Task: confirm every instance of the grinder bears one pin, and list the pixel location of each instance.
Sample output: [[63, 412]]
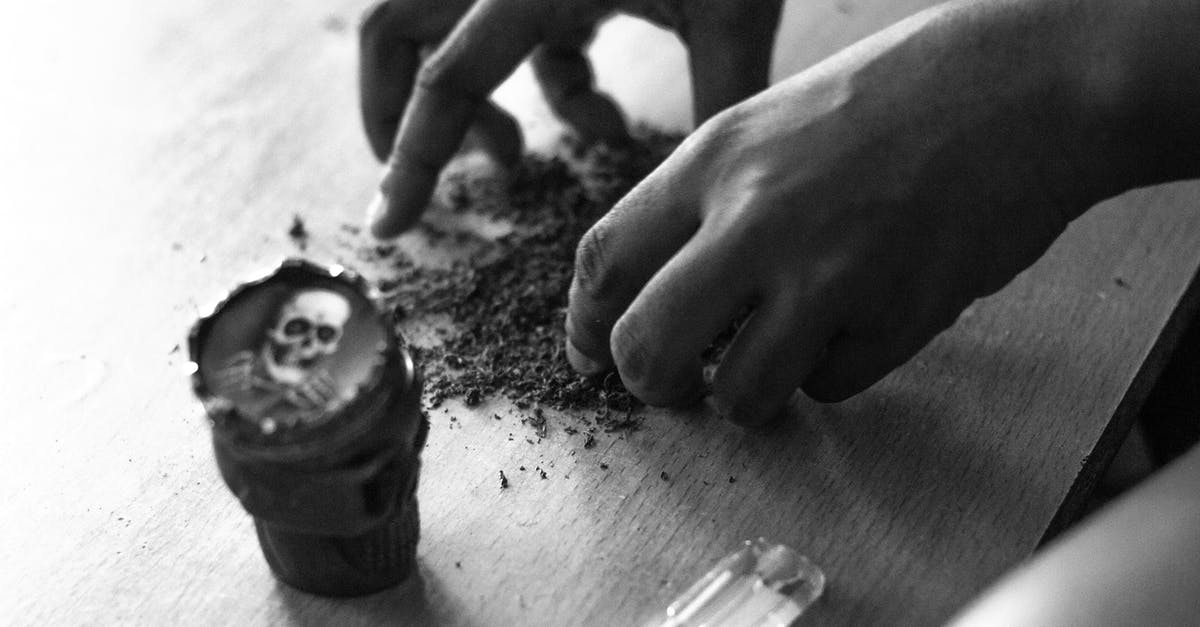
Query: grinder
[[317, 427]]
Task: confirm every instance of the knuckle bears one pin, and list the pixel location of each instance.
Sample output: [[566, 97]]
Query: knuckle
[[372, 19], [595, 275], [434, 75], [446, 71]]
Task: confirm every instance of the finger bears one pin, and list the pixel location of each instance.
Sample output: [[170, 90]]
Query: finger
[[485, 46], [615, 259], [852, 364], [770, 356], [565, 75], [729, 52], [657, 343], [388, 63], [392, 37], [497, 133]]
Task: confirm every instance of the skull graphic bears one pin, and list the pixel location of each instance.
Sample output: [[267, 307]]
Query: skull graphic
[[308, 329]]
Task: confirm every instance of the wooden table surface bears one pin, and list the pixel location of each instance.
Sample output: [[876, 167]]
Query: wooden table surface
[[153, 156]]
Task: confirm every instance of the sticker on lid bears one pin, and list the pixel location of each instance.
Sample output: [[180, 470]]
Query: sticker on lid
[[291, 350]]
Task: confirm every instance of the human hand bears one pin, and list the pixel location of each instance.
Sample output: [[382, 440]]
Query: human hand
[[856, 209], [434, 104]]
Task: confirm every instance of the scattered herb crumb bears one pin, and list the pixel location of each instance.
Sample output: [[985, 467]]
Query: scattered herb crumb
[[472, 398], [538, 422], [298, 232], [503, 480], [664, 476], [603, 466], [589, 441], [732, 479]]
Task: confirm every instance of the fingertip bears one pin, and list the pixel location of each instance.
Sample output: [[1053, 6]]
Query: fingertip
[[377, 221], [656, 375], [583, 364], [375, 208], [658, 392], [384, 220], [403, 195], [381, 133], [388, 228], [748, 412]]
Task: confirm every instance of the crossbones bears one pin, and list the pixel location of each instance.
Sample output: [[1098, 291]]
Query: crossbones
[[286, 380]]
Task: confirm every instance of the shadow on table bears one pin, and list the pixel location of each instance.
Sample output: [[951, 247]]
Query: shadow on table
[[932, 464], [413, 602]]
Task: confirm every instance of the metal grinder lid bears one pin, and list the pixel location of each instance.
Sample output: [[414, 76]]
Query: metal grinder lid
[[304, 353]]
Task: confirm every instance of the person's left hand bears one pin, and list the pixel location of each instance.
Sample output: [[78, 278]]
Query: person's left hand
[[417, 113]]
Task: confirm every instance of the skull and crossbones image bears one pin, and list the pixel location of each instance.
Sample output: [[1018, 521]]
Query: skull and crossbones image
[[307, 331], [286, 379]]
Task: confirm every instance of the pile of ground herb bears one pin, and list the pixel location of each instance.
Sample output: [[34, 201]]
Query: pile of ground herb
[[506, 305]]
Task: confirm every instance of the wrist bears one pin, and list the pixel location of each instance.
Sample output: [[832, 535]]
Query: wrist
[[1047, 82], [1138, 90]]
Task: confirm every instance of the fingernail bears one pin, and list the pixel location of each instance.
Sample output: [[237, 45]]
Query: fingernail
[[375, 208], [382, 221], [583, 364]]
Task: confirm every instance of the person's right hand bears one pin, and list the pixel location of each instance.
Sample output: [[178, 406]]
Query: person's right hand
[[417, 114], [856, 208]]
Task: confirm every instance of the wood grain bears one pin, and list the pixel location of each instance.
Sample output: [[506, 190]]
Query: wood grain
[[161, 150]]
